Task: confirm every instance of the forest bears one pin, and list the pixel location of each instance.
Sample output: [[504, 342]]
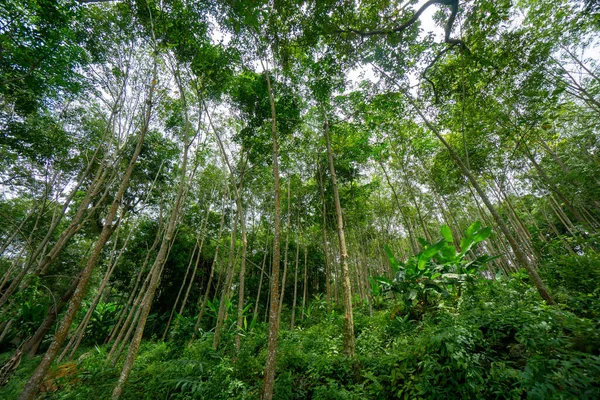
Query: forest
[[299, 199]]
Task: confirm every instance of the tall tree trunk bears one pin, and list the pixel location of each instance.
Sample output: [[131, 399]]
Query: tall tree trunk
[[187, 271], [295, 281], [567, 203], [406, 220], [269, 381], [262, 273], [305, 285], [238, 200], [325, 246], [242, 280], [198, 258], [227, 285], [346, 290], [134, 314], [80, 331], [417, 208], [285, 252], [212, 268], [132, 296], [32, 345]]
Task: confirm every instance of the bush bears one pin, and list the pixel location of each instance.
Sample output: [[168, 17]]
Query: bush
[[573, 273], [498, 340]]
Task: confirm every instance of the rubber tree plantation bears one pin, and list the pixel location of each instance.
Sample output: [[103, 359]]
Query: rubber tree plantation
[[205, 199]]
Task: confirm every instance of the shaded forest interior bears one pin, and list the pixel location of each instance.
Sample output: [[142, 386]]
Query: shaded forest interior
[[299, 199]]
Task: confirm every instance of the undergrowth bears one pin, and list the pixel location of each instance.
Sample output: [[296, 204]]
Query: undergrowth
[[498, 340]]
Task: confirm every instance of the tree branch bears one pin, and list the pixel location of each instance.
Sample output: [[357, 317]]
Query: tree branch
[[399, 29]]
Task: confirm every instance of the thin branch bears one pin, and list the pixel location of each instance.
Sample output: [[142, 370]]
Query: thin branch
[[399, 29]]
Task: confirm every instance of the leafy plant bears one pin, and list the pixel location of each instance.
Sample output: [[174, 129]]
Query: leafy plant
[[436, 269], [102, 320]]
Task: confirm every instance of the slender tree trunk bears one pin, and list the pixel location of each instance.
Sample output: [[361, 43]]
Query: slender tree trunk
[[262, 273], [227, 285], [418, 209], [295, 283], [187, 271], [407, 223], [135, 312], [346, 290], [19, 229], [32, 345], [269, 381], [305, 285], [240, 210], [325, 246], [132, 296], [555, 156], [567, 203], [285, 252], [80, 331], [129, 324], [511, 262], [212, 268], [198, 257], [242, 277]]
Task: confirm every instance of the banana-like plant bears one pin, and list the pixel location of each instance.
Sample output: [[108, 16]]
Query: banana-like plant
[[439, 267]]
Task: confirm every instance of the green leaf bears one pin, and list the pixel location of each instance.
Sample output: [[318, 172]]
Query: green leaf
[[465, 245], [473, 228], [375, 289], [447, 233], [433, 249], [429, 252], [436, 287], [448, 254], [480, 261], [383, 280], [422, 262], [482, 234]]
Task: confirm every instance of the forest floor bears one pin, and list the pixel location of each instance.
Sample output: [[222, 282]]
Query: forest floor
[[498, 340]]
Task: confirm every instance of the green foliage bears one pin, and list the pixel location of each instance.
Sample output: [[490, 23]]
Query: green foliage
[[27, 312], [436, 269], [499, 340], [41, 50], [574, 273], [101, 322], [575, 282]]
